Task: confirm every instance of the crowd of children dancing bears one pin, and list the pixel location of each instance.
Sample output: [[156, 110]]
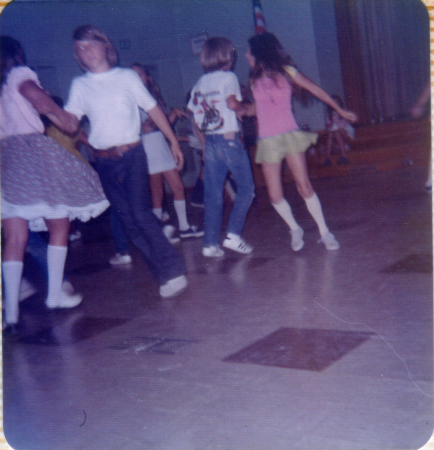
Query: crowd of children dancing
[[45, 187]]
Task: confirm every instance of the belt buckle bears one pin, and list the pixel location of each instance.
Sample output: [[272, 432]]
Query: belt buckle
[[113, 153], [118, 152]]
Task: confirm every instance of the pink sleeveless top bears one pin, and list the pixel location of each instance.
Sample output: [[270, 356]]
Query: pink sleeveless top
[[273, 106]]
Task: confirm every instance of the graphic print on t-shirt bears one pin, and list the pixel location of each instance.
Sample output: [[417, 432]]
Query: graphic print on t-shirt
[[211, 116]]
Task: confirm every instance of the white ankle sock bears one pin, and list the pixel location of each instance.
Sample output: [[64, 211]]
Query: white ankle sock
[[314, 207], [12, 272], [56, 256], [181, 212], [285, 213], [158, 212]]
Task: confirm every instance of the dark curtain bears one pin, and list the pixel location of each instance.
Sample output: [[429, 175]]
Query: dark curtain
[[385, 51]]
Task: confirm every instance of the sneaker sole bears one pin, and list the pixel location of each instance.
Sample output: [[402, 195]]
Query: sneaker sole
[[333, 248], [297, 249], [242, 252], [180, 290], [120, 263], [78, 300], [213, 256], [189, 235]]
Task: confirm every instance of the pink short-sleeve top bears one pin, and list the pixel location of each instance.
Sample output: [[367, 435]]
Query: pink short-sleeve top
[[17, 115]]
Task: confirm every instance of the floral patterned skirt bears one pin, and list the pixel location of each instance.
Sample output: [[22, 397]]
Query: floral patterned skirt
[[42, 180]]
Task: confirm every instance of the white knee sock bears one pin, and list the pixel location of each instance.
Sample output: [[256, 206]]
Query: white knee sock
[[158, 212], [12, 272], [285, 213], [181, 212], [56, 256], [314, 207]]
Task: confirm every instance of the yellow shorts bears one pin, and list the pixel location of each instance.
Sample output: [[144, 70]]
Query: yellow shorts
[[274, 149]]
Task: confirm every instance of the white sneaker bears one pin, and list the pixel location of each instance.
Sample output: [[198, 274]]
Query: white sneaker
[[169, 231], [329, 241], [26, 289], [237, 244], [174, 286], [65, 301], [297, 242], [212, 251], [120, 259]]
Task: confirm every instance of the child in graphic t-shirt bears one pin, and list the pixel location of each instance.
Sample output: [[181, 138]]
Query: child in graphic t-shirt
[[216, 102]]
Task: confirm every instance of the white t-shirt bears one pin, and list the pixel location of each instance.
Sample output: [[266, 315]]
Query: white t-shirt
[[208, 102], [17, 115], [111, 101]]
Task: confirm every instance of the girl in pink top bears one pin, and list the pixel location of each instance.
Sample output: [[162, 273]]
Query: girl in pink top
[[273, 79]]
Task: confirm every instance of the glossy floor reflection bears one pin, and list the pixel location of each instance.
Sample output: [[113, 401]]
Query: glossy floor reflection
[[276, 350]]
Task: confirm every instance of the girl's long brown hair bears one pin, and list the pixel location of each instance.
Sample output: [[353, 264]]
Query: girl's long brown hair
[[11, 55], [152, 85], [271, 60]]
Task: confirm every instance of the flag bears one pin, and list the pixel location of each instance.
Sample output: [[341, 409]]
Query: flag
[[258, 17]]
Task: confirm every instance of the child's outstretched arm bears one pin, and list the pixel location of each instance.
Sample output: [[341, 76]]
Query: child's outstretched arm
[[304, 82], [42, 102], [158, 116]]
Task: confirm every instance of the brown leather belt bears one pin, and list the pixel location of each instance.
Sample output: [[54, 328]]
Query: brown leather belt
[[115, 152]]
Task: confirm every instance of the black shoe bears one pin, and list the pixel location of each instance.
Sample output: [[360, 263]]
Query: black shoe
[[191, 232], [11, 331]]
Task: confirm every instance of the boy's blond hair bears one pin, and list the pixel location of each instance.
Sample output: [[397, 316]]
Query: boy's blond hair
[[93, 33], [216, 53]]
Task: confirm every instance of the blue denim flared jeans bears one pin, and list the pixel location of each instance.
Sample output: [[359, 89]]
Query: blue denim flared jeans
[[223, 156]]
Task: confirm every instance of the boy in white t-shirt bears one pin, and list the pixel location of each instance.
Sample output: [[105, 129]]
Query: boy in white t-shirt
[[110, 97], [215, 102]]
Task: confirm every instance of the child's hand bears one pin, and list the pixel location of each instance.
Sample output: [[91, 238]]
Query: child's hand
[[177, 155], [348, 115], [69, 122], [178, 113], [240, 115]]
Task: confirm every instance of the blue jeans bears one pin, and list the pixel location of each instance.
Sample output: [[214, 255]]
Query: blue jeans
[[120, 238], [126, 185], [223, 156]]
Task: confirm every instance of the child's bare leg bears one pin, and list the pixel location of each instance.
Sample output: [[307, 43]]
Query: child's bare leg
[[273, 180], [341, 143], [297, 165], [329, 144], [175, 184], [157, 193]]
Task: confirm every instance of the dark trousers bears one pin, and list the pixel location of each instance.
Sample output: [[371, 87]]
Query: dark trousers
[[120, 238], [126, 185]]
